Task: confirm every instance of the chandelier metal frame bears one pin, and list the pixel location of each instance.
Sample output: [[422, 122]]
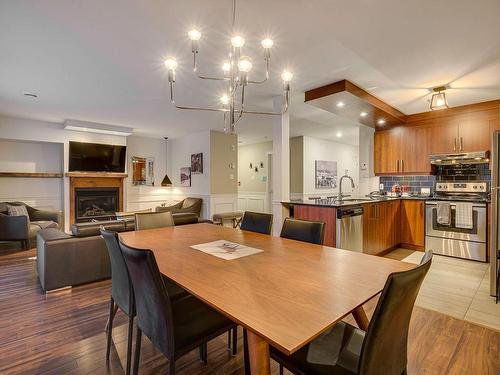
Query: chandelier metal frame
[[236, 75]]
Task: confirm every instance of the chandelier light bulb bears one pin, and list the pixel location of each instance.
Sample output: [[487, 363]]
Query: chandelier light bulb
[[194, 34], [286, 76], [267, 43], [224, 99], [226, 67], [171, 63], [237, 41], [244, 65]]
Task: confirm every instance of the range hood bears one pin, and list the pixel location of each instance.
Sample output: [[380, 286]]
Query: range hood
[[480, 157]]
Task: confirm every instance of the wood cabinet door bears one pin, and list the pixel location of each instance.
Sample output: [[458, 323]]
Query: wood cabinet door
[[387, 151], [412, 222], [415, 150], [370, 229], [474, 135], [444, 138]]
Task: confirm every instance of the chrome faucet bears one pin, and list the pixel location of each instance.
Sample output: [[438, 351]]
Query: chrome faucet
[[340, 185]]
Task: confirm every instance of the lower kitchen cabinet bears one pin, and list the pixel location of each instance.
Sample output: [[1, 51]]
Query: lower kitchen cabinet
[[381, 230], [412, 229]]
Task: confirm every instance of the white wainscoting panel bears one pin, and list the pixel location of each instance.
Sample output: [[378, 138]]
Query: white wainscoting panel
[[252, 201]]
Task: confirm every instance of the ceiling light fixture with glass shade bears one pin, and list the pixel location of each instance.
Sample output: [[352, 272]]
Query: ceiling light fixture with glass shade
[[236, 71], [438, 100]]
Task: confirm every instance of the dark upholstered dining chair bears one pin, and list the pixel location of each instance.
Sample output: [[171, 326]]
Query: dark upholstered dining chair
[[121, 291], [122, 295], [152, 220], [382, 349], [303, 230], [257, 222], [175, 327]]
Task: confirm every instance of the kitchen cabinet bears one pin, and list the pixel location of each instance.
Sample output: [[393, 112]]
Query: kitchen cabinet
[[474, 135], [387, 146], [403, 150], [412, 223], [380, 227]]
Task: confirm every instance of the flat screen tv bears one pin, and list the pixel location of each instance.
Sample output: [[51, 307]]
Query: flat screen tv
[[95, 157]]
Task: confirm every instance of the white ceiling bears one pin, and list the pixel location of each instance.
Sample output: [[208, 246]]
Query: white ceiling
[[102, 60]]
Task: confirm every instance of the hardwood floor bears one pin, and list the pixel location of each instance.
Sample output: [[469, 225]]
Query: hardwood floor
[[63, 333]]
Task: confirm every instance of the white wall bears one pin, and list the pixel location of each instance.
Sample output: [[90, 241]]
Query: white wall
[[368, 182], [253, 186], [346, 156], [24, 156], [42, 131]]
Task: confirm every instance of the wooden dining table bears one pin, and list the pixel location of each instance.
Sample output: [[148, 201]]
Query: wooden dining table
[[284, 296]]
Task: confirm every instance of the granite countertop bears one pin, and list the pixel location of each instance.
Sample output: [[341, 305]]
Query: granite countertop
[[350, 201]]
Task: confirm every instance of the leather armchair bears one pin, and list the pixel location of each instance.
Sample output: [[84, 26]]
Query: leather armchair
[[18, 228], [188, 205], [14, 228]]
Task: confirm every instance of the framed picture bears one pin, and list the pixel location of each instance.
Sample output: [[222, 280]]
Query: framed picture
[[325, 174], [197, 163], [186, 176]]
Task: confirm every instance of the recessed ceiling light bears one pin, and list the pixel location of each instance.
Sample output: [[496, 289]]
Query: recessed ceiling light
[[381, 121], [340, 104], [363, 114], [30, 94], [339, 134]]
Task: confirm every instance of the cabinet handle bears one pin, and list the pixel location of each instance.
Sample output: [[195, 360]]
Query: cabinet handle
[[397, 165], [461, 144], [454, 144], [402, 165]]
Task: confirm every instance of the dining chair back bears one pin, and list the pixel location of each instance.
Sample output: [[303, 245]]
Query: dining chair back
[[303, 230], [257, 222], [121, 291], [152, 220], [384, 348], [153, 305]]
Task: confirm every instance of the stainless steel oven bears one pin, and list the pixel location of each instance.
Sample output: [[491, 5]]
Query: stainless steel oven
[[450, 239]]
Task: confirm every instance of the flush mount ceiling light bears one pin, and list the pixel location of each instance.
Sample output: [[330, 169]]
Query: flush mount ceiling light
[[340, 104], [381, 121], [363, 114], [236, 71], [438, 100], [93, 127]]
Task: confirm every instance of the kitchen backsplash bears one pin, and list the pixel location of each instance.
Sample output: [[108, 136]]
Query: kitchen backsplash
[[468, 172], [415, 182]]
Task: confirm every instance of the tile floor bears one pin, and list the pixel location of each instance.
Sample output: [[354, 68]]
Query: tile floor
[[456, 287]]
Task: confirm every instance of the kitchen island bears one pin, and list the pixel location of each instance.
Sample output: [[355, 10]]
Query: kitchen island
[[387, 222]]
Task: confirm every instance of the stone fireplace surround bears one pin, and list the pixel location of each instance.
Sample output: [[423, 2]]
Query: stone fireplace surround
[[94, 180]]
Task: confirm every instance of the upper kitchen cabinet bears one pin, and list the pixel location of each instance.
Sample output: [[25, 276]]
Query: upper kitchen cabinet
[[403, 150], [474, 135], [444, 138], [387, 151]]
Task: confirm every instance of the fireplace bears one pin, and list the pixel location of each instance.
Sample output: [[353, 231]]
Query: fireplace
[[96, 203]]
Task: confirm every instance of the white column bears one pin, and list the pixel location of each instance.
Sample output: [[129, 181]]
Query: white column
[[281, 165]]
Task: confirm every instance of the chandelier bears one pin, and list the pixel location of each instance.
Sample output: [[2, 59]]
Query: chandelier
[[236, 71]]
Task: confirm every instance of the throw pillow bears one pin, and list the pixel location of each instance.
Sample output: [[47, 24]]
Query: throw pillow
[[18, 211]]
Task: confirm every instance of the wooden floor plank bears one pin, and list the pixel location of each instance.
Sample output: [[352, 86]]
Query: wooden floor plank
[[63, 333]]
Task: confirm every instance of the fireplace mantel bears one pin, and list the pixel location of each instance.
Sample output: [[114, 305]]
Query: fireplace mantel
[[96, 175], [93, 180]]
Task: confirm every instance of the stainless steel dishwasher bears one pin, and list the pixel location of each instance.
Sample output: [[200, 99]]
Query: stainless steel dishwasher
[[350, 228]]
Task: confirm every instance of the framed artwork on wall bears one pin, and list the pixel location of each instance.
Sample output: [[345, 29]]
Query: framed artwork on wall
[[325, 174], [197, 163], [186, 176]]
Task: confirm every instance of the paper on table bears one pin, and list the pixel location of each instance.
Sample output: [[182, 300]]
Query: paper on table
[[226, 250]]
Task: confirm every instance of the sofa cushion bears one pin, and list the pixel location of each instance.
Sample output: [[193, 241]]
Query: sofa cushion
[[44, 224], [94, 228], [17, 211], [182, 218], [51, 234]]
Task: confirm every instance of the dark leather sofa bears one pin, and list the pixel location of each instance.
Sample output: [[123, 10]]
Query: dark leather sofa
[[19, 228], [65, 260]]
